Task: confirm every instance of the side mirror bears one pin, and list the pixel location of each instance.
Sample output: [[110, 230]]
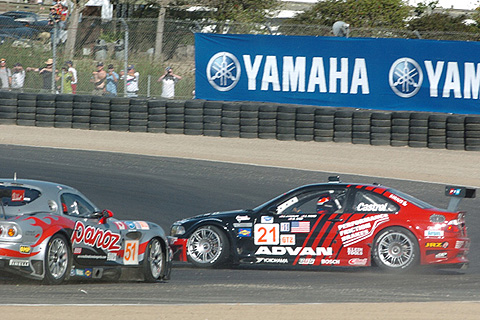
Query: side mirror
[[105, 215]]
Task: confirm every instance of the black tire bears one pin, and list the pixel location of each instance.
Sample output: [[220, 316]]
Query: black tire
[[208, 247], [154, 261], [396, 250], [58, 260]]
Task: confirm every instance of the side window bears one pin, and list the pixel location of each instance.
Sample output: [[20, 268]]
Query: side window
[[317, 202], [366, 201], [75, 205]]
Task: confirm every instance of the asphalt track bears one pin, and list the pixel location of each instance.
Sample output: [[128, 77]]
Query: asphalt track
[[164, 189]]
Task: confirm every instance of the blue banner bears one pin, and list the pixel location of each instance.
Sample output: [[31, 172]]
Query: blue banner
[[384, 74]]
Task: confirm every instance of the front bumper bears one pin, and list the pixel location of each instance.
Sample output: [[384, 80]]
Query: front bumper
[[179, 248]]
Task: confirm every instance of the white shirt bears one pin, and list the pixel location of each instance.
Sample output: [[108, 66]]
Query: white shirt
[[74, 73], [168, 87]]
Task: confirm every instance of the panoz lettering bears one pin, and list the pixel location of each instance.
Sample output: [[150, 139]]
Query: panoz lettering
[[95, 237], [295, 76]]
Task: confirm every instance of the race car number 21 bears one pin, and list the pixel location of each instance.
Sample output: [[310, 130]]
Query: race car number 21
[[131, 252], [266, 233]]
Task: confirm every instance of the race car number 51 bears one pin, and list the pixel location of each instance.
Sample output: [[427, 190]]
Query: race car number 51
[[266, 233], [131, 252]]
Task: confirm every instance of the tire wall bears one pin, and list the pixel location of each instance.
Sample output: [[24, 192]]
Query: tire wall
[[250, 120]]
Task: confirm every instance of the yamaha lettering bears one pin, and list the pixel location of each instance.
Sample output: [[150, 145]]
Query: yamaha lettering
[[419, 75]]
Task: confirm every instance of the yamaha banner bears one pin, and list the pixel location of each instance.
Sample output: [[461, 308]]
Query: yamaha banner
[[385, 74]]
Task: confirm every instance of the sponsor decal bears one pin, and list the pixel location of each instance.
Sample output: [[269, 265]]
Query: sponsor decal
[[330, 261], [267, 219], [137, 225], [19, 263], [436, 245], [25, 249], [459, 244], [77, 250], [242, 225], [372, 207], [111, 256], [287, 239], [95, 237], [300, 226], [306, 261], [267, 234], [352, 251], [286, 204], [398, 200], [441, 255], [272, 260], [358, 230], [120, 225], [285, 226], [433, 233], [88, 272], [294, 251], [92, 257], [223, 71], [405, 77], [358, 262], [245, 232], [242, 218], [18, 195]]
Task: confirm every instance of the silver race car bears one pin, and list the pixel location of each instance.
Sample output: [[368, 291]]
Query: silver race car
[[52, 232]]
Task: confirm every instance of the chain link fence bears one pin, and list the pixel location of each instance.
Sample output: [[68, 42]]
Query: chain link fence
[[98, 40]]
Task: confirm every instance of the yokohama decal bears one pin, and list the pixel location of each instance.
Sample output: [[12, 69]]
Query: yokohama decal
[[95, 237]]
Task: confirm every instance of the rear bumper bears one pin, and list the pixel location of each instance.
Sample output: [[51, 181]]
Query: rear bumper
[[451, 252]]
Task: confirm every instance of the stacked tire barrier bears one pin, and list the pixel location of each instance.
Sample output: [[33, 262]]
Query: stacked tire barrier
[[251, 120]]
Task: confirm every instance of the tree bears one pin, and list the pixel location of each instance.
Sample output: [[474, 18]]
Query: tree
[[358, 13], [73, 27]]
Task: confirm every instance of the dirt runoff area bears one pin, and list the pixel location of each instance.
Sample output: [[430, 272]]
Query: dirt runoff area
[[442, 166]]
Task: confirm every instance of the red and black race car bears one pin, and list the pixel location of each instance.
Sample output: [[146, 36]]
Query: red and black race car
[[330, 224]]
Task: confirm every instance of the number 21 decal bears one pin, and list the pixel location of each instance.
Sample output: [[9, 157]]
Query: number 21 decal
[[266, 234]]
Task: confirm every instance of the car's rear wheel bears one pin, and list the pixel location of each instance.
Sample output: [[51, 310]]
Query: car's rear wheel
[[58, 260], [154, 262], [208, 247], [395, 250]]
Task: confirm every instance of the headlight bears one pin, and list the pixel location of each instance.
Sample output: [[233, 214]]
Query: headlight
[[177, 230]]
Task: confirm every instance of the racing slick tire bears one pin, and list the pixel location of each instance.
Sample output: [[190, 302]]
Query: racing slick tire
[[154, 262], [58, 260], [396, 250], [208, 247]]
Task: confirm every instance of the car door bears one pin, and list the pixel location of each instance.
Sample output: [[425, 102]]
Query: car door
[[367, 210], [93, 243], [296, 231]]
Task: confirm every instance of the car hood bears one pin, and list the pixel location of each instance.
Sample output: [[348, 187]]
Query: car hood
[[238, 215]]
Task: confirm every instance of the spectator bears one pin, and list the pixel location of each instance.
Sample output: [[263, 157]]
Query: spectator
[[169, 80], [66, 80], [18, 78], [5, 75], [73, 71], [112, 80], [98, 80], [131, 81], [47, 73]]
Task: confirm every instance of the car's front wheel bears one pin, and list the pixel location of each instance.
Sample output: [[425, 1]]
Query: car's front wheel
[[395, 250], [208, 247], [154, 262], [58, 260]]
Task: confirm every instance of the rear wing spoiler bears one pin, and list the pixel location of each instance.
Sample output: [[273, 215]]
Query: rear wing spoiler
[[458, 193]]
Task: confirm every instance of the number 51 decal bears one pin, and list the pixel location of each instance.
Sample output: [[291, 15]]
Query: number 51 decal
[[130, 255], [266, 234]]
